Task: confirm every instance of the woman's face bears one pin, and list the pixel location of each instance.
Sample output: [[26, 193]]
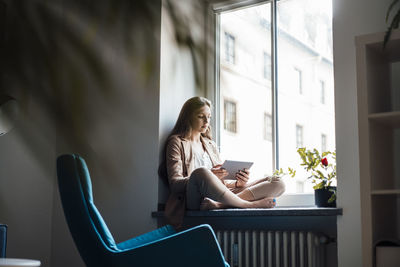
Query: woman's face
[[201, 119]]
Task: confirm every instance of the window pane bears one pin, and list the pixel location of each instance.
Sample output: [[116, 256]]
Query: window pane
[[245, 42], [304, 60]]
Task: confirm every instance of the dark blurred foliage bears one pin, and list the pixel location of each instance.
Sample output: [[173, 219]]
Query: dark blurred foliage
[[394, 24], [52, 51]]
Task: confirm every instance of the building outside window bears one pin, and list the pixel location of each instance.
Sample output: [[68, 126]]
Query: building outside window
[[299, 136], [298, 80], [229, 48], [323, 142], [230, 116], [267, 66], [322, 91], [299, 186], [267, 127], [304, 51]]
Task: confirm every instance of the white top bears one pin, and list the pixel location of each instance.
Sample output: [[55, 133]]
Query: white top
[[201, 159], [8, 262]]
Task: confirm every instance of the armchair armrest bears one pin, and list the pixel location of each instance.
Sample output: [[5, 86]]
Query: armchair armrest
[[195, 247], [147, 238]]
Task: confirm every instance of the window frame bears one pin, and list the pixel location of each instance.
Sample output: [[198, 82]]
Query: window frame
[[214, 9]]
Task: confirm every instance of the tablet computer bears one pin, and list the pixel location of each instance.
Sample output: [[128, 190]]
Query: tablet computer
[[233, 166]]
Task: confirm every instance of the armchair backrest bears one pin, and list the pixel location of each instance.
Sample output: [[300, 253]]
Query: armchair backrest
[[87, 227], [3, 240]]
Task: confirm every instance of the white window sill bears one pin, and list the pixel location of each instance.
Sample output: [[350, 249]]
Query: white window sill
[[296, 200]]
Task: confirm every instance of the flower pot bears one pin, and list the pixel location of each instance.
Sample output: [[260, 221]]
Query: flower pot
[[323, 195]]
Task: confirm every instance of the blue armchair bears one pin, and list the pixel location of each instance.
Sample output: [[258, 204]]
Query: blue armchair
[[3, 240], [162, 247]]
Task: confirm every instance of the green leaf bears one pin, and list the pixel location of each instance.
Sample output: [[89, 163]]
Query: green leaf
[[390, 9], [324, 154], [316, 153], [332, 198], [393, 25], [309, 157], [320, 174], [320, 185]]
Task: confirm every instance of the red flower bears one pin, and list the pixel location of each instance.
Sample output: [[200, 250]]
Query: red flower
[[324, 162]]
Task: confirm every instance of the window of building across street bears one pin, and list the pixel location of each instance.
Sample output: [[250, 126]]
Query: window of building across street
[[230, 116], [229, 48]]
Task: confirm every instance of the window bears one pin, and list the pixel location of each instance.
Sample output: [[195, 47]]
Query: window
[[299, 136], [322, 91], [323, 142], [267, 66], [299, 186], [282, 49], [267, 127], [229, 48], [298, 80], [230, 116]]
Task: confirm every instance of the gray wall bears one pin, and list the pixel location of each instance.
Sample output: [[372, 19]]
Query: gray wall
[[350, 18], [26, 191], [178, 75], [88, 83]]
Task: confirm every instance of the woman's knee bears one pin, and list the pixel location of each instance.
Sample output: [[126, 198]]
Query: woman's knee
[[279, 186], [201, 174]]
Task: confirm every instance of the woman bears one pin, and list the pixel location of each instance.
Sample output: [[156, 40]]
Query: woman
[[194, 172]]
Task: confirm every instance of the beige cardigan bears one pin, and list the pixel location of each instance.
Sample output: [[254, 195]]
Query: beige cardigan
[[180, 164]]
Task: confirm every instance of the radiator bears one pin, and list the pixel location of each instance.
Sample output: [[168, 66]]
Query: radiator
[[254, 248]]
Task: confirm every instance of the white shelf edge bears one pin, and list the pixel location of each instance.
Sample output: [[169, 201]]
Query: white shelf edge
[[386, 192]]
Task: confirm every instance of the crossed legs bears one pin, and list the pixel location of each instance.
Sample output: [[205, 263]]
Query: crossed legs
[[205, 191]]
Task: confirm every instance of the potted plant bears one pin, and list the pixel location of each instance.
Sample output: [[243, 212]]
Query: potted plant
[[322, 170]]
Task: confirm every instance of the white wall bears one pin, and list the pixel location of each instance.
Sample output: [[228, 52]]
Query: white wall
[[350, 18]]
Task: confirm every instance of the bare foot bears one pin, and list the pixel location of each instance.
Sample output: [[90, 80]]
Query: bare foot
[[209, 204], [267, 202]]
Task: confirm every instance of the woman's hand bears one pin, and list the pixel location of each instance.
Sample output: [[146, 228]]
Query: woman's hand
[[219, 172], [242, 177]]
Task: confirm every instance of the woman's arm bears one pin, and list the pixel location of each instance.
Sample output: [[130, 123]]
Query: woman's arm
[[176, 178], [230, 183]]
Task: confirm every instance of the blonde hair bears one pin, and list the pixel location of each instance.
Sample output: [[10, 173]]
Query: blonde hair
[[183, 125], [183, 128]]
